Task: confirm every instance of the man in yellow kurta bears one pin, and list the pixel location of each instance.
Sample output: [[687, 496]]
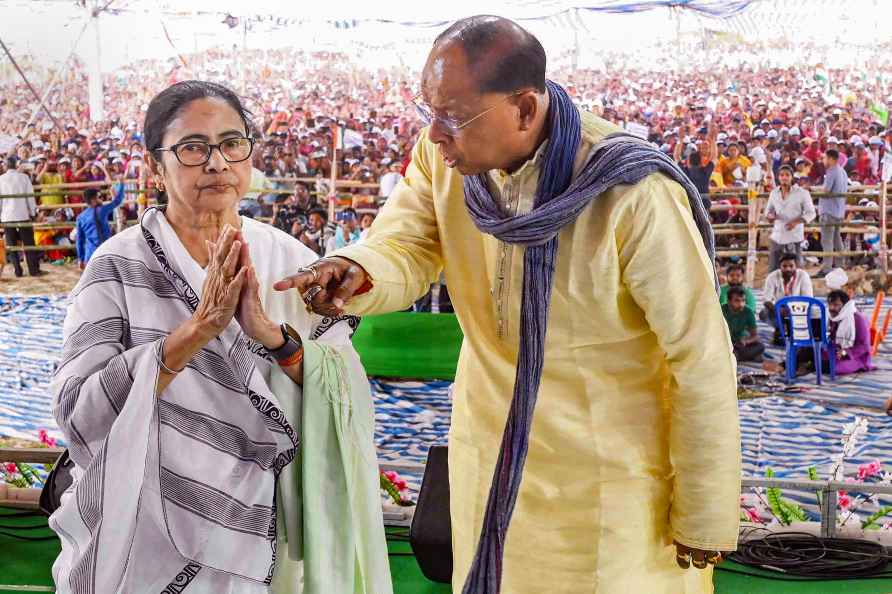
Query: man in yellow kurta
[[635, 441]]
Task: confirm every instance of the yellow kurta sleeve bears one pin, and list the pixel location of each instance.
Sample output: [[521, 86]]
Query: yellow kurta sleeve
[[669, 275], [402, 252]]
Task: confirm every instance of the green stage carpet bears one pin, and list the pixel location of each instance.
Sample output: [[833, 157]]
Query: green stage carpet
[[385, 342], [28, 563]]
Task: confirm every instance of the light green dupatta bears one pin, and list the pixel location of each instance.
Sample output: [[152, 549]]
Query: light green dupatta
[[330, 494]]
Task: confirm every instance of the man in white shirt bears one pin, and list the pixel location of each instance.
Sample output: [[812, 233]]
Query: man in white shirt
[[787, 281], [759, 156], [790, 207], [389, 180], [19, 210]]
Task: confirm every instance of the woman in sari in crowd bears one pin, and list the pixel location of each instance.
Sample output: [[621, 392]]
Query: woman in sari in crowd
[[187, 388]]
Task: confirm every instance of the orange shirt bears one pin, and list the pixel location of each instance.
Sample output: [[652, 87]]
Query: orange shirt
[[727, 166]]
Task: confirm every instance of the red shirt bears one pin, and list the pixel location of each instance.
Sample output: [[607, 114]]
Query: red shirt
[[862, 168]]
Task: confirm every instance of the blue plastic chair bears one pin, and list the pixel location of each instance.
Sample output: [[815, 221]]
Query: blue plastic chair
[[800, 334]]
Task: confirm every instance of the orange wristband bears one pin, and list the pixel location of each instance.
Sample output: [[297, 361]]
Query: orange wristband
[[294, 359]]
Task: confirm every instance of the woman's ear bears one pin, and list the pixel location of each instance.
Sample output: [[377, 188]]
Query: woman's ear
[[155, 167]]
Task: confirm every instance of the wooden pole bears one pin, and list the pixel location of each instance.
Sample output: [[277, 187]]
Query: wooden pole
[[753, 233], [95, 92], [884, 238], [336, 134]]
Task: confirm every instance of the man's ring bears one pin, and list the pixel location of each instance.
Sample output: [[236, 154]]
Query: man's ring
[[310, 269], [311, 292]]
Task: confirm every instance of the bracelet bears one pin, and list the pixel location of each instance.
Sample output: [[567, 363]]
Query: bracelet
[[294, 359], [159, 356]]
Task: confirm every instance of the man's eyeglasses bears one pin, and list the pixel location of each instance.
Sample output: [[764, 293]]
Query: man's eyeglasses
[[194, 153], [452, 126]]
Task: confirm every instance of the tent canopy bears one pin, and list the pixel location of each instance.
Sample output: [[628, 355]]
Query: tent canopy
[[131, 30]]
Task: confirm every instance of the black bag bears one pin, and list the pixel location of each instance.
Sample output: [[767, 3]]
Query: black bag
[[431, 532], [58, 481]]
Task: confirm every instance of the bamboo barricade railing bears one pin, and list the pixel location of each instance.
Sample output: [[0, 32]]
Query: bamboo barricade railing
[[79, 188], [753, 206]]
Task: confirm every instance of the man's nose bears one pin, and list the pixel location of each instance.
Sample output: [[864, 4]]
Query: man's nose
[[437, 134]]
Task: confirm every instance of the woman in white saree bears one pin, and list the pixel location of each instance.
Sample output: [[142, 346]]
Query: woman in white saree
[[222, 435]]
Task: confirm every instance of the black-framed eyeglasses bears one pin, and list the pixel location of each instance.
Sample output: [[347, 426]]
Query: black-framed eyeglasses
[[194, 153]]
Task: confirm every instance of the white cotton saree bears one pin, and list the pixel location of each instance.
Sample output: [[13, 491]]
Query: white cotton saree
[[195, 490]]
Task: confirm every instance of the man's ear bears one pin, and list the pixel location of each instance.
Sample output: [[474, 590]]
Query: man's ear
[[528, 106]]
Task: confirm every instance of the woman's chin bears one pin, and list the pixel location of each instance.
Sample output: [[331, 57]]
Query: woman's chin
[[217, 201]]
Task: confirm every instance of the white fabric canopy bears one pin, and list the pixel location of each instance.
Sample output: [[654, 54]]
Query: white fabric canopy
[[132, 29]]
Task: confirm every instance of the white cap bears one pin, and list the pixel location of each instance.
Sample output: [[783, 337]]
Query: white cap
[[772, 134], [855, 139], [758, 133], [794, 131], [832, 140], [836, 279], [875, 140], [721, 137]]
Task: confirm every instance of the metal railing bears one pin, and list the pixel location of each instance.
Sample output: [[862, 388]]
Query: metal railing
[[826, 491]]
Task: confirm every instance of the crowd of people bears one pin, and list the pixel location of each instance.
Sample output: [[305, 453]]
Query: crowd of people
[[793, 131], [294, 125]]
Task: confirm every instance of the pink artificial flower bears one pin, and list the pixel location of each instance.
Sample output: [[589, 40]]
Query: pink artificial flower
[[391, 475], [42, 435], [871, 469], [753, 515], [400, 485], [844, 500], [10, 467]]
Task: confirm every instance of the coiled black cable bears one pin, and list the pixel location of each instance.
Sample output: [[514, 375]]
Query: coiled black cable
[[809, 557]]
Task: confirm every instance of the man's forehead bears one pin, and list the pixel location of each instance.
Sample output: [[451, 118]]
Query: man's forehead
[[447, 80]]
